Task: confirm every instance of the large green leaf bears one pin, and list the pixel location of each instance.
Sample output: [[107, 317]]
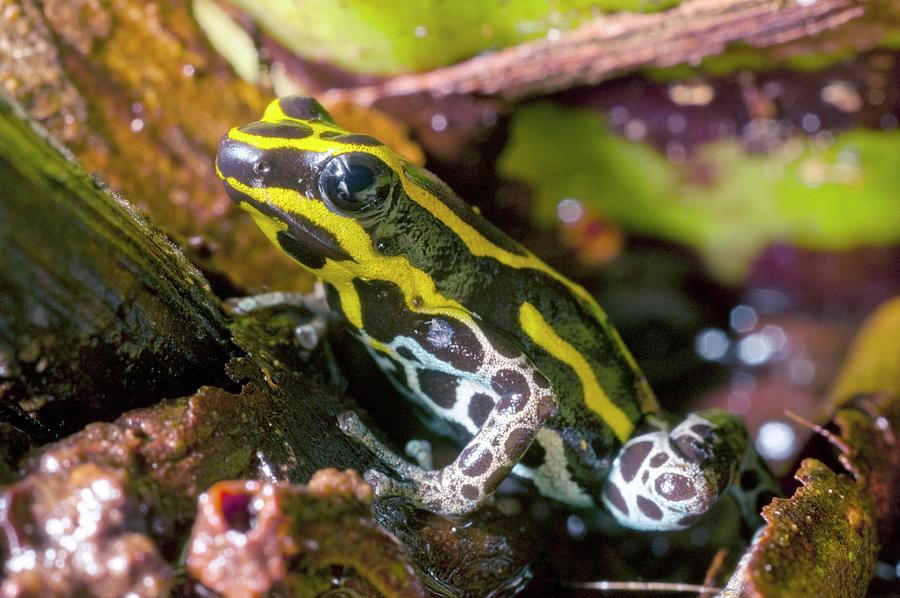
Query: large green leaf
[[403, 35], [825, 196]]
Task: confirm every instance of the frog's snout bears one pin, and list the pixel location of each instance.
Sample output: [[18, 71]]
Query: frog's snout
[[240, 162]]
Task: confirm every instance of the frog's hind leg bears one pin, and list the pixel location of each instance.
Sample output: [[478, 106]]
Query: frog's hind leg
[[665, 480], [525, 401]]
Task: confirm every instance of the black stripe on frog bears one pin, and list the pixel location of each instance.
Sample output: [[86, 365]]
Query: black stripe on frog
[[304, 108], [281, 130]]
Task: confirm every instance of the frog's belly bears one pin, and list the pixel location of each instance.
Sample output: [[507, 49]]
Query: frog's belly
[[552, 477]]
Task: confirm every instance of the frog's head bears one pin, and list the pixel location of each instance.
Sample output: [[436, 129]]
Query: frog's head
[[317, 191]]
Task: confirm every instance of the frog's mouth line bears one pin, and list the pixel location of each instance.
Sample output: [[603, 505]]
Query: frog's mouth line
[[301, 230]]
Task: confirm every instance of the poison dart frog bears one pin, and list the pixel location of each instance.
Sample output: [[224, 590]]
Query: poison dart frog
[[521, 362]]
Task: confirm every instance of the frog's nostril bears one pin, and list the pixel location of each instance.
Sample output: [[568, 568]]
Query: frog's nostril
[[239, 165]]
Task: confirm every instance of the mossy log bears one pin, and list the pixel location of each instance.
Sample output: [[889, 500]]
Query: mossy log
[[99, 312]]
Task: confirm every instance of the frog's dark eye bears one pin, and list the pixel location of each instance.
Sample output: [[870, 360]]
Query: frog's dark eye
[[356, 182]]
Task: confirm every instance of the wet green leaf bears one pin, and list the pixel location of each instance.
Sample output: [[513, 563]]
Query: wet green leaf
[[820, 542], [834, 196], [873, 365], [370, 37]]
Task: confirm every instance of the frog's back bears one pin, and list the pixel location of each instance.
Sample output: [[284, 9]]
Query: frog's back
[[552, 320]]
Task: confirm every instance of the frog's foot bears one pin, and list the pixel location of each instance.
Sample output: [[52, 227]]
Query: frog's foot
[[307, 334], [667, 480], [251, 303], [420, 485], [353, 427]]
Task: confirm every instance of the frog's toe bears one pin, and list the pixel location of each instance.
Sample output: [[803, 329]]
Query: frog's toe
[[384, 485], [654, 486], [419, 450], [352, 426]]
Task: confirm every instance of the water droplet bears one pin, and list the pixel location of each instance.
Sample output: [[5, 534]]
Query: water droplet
[[676, 123], [438, 122], [743, 318], [739, 402], [569, 210], [801, 371], [711, 344], [576, 527], [776, 440], [810, 123], [635, 129], [675, 152], [618, 115], [659, 546], [754, 349], [842, 95], [774, 336], [691, 94]]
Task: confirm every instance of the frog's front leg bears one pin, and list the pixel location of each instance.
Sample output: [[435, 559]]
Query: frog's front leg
[[665, 480], [460, 487]]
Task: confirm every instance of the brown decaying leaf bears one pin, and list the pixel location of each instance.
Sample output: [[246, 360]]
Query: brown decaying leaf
[[139, 96]]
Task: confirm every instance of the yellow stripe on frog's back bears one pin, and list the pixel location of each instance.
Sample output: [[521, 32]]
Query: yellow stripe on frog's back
[[412, 281], [419, 289], [476, 243], [546, 337]]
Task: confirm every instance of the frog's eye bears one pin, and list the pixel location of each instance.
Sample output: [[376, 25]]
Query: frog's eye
[[356, 182]]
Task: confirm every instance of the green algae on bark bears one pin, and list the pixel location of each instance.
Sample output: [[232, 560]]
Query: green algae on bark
[[282, 426], [867, 396], [820, 542]]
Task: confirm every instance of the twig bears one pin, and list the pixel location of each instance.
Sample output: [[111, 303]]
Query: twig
[[609, 45]]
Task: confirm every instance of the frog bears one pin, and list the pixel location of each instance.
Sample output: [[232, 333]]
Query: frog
[[519, 364]]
